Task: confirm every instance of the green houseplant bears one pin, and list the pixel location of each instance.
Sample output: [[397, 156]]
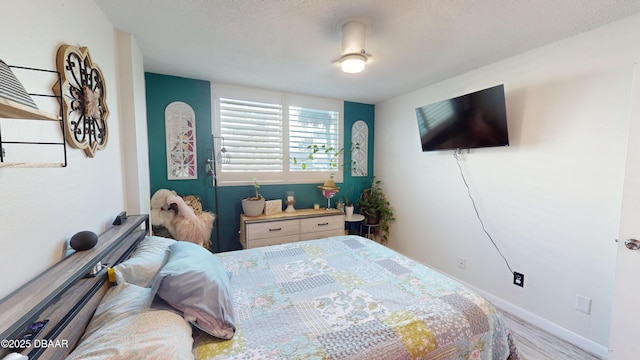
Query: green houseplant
[[376, 208], [332, 155], [348, 202], [331, 152], [254, 205]]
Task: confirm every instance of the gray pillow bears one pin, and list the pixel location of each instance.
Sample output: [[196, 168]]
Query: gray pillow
[[196, 283]]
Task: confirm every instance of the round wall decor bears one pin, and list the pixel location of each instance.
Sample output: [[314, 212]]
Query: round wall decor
[[84, 99]]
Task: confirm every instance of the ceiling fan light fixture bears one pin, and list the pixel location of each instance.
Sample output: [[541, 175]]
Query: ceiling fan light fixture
[[353, 63], [354, 57]]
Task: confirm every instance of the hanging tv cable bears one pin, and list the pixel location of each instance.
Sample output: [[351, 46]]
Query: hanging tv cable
[[456, 154]]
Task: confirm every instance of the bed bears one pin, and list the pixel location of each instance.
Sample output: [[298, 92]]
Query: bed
[[343, 297]]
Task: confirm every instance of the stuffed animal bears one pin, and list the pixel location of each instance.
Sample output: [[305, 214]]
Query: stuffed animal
[[194, 203], [161, 212], [171, 211]]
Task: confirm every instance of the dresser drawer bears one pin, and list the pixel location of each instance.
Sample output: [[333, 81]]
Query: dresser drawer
[[272, 241], [321, 224], [286, 227], [321, 234], [272, 229]]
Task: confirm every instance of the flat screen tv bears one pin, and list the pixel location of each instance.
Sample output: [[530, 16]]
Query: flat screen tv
[[474, 120]]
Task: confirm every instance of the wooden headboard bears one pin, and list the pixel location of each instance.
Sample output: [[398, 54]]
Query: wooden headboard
[[64, 296]]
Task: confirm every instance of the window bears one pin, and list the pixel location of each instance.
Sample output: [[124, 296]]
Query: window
[[309, 128], [267, 135], [253, 132]]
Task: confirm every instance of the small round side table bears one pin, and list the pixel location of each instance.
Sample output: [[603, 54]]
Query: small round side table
[[354, 219], [370, 234]]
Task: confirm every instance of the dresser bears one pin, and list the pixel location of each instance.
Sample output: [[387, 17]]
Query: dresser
[[285, 227]]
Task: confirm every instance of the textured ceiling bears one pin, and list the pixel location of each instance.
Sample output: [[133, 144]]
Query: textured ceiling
[[290, 45]]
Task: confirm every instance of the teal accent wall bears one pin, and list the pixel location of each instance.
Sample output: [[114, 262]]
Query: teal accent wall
[[163, 89], [352, 113]]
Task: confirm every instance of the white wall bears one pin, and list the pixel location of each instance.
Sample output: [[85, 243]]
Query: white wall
[[551, 200], [133, 111], [41, 208]]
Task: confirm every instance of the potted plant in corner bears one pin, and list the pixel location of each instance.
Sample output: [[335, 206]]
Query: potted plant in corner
[[373, 204], [253, 206]]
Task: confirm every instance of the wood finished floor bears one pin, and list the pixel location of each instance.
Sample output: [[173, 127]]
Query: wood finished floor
[[534, 343]]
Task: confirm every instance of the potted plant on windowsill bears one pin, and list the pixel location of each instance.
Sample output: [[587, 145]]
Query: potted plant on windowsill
[[253, 206], [376, 208]]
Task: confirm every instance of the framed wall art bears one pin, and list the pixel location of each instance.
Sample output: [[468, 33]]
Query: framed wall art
[[180, 128], [83, 99]]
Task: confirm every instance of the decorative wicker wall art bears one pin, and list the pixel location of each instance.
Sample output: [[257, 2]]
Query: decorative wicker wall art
[[359, 154], [180, 128], [84, 99]]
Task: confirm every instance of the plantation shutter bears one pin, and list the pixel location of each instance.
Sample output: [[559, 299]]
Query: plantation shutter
[[308, 127], [263, 134], [253, 135]]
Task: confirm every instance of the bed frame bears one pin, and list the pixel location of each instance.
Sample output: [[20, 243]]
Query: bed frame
[[65, 296]]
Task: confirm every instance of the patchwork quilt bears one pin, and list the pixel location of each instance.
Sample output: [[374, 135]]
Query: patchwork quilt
[[349, 297]]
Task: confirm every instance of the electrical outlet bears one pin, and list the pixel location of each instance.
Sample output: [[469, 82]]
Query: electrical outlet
[[462, 263], [583, 304], [518, 279]]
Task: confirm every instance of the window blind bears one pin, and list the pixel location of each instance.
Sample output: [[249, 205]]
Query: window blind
[[309, 127], [263, 132], [253, 133]]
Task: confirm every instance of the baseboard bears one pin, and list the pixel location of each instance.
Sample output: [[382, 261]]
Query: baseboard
[[580, 341], [546, 325]]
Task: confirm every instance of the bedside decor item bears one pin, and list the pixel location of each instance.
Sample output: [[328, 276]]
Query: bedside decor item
[[83, 91], [272, 207], [348, 202], [290, 202], [348, 210], [329, 189], [84, 240], [253, 206]]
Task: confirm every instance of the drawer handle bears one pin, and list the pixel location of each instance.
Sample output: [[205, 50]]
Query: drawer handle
[[278, 229], [323, 224]]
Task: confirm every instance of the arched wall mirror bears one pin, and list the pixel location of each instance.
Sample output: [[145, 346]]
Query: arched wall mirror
[[180, 128], [359, 153]]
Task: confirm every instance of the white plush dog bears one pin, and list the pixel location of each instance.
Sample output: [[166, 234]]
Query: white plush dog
[[169, 210]]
